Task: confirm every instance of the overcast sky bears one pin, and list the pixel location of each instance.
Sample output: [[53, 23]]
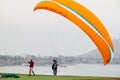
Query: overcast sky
[[44, 33]]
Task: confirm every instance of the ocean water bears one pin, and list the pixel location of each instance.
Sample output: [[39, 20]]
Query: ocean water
[[98, 70]]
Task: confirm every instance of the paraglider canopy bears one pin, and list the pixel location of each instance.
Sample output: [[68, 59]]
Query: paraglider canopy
[[89, 23]]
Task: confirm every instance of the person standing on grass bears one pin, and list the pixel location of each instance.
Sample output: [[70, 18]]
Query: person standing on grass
[[54, 67], [31, 65]]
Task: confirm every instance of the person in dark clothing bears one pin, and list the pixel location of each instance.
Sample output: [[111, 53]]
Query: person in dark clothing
[[31, 65], [54, 67]]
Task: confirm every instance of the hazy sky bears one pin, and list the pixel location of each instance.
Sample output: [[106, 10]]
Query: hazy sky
[[44, 33]]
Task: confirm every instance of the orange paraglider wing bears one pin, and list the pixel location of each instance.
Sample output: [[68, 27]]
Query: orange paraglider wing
[[88, 17], [101, 43]]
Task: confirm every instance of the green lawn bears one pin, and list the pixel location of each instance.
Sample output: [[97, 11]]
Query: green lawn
[[50, 77]]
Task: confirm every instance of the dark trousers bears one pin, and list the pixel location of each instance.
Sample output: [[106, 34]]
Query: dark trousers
[[55, 72]]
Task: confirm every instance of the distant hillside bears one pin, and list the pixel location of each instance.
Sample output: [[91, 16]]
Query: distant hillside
[[92, 57], [95, 54]]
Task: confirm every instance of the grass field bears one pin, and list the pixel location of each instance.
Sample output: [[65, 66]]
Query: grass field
[[50, 77]]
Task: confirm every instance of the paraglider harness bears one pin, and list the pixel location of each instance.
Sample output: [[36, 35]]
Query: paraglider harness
[[9, 75], [54, 66]]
